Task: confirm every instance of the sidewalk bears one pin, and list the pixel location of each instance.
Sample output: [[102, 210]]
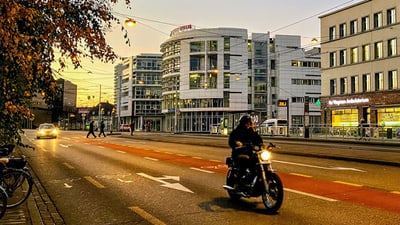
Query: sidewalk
[[40, 210]]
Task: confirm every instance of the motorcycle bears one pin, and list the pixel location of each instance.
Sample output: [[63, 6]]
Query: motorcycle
[[259, 179]]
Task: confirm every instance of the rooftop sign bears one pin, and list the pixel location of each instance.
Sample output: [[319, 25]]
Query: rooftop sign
[[181, 29]]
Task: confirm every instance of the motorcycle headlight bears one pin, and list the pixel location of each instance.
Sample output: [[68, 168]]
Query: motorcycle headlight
[[265, 155]]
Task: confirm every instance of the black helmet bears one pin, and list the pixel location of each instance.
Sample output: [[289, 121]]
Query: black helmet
[[244, 120]]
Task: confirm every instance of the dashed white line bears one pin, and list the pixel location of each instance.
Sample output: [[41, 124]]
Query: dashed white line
[[201, 170], [311, 195], [94, 182], [147, 216], [68, 165], [121, 151], [152, 159]]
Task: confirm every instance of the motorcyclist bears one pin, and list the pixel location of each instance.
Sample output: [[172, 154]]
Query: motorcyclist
[[242, 140]]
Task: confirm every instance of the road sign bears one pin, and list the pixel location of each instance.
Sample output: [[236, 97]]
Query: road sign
[[282, 103]]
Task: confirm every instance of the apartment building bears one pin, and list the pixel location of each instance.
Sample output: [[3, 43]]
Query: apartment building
[[138, 91], [360, 64]]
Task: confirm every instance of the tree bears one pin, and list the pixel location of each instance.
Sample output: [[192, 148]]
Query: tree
[[30, 32]]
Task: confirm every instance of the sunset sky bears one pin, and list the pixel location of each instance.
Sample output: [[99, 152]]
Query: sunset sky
[[157, 18]]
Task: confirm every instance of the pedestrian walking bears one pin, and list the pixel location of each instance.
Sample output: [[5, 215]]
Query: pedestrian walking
[[91, 130], [132, 127], [102, 126]]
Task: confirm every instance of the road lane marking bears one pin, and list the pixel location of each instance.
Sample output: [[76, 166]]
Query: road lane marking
[[176, 186], [319, 167], [121, 151], [215, 160], [149, 158], [196, 157], [311, 195], [94, 182], [395, 192], [348, 183], [147, 216], [69, 166], [201, 170], [301, 175]]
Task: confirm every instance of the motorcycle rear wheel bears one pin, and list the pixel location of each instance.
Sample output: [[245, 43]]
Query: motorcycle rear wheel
[[231, 181], [274, 197]]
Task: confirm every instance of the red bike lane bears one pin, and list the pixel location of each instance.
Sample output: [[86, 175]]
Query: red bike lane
[[343, 192]]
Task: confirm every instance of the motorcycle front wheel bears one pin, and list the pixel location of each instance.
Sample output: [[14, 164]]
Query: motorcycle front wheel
[[273, 198]]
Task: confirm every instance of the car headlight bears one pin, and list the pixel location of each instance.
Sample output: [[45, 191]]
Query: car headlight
[[41, 131], [54, 132], [265, 155]]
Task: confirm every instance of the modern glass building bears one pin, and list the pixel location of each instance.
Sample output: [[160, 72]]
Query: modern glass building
[[210, 77]]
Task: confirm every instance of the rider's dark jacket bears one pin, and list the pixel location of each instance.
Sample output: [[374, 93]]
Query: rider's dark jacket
[[247, 136]]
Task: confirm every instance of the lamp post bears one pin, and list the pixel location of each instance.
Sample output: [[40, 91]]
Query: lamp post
[[176, 109], [100, 105]]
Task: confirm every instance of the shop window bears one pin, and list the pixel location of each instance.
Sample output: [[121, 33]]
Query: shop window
[[392, 46], [392, 80], [378, 81], [353, 27]]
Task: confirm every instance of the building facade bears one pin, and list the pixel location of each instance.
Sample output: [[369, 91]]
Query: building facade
[[138, 92], [360, 65], [210, 77]]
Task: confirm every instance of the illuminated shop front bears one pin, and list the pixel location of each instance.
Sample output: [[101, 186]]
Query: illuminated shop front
[[377, 109]]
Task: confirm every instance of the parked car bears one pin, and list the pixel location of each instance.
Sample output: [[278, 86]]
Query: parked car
[[124, 127], [47, 130]]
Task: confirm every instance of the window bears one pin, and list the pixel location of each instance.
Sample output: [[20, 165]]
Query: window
[[342, 57], [332, 33], [366, 83], [391, 16], [392, 46], [365, 23], [197, 46], [378, 50], [377, 20], [354, 84], [392, 80], [353, 27], [227, 62], [378, 81], [354, 55], [196, 62], [365, 53], [196, 80], [227, 44], [342, 30], [212, 80], [332, 87], [227, 80], [332, 59], [343, 85], [212, 46]]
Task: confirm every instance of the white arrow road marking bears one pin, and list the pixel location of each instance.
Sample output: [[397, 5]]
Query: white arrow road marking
[[67, 185], [320, 167], [176, 186]]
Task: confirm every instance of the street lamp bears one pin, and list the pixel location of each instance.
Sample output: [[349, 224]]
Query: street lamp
[[130, 22]]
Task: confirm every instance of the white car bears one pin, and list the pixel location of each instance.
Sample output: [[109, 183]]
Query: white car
[[47, 130]]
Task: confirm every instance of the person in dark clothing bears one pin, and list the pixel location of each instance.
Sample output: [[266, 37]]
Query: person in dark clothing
[[91, 130], [132, 127], [242, 139], [102, 126]]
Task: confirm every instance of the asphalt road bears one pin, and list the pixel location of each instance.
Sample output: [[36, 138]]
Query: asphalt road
[[126, 179]]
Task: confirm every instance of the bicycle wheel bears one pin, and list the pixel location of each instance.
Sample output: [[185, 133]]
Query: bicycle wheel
[[18, 185], [3, 202]]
